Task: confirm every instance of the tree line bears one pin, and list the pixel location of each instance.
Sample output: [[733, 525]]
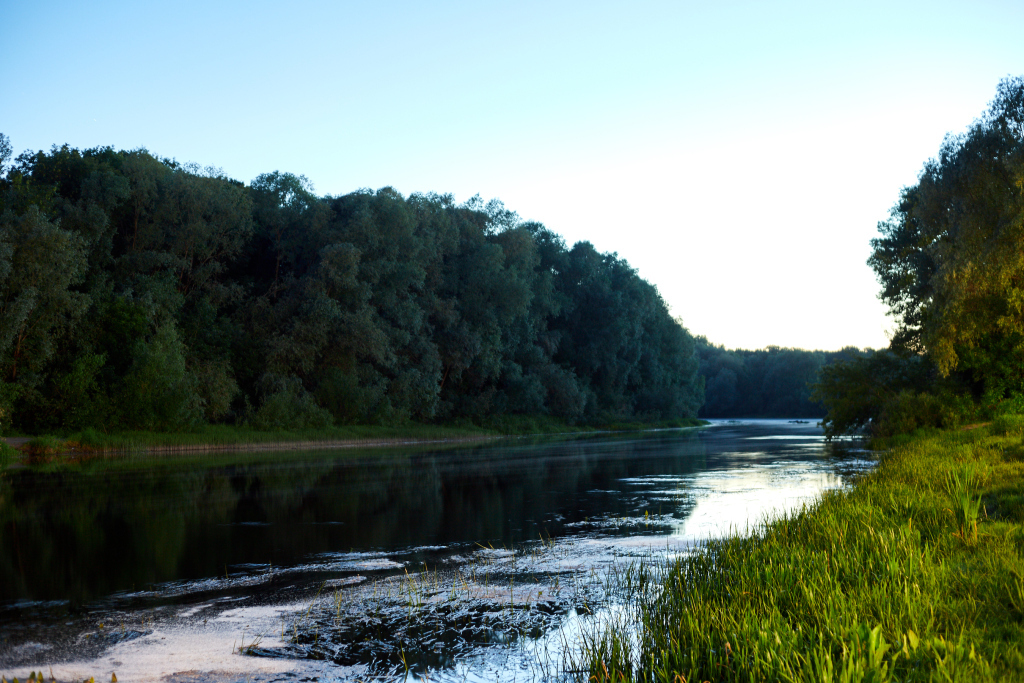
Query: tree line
[[773, 382], [950, 260], [137, 292]]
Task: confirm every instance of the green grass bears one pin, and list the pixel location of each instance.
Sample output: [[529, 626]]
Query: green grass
[[916, 574], [46, 445], [7, 455], [220, 436], [227, 435]]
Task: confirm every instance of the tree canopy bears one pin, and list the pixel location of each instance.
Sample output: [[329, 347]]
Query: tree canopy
[[950, 260], [951, 257], [772, 382], [137, 292]]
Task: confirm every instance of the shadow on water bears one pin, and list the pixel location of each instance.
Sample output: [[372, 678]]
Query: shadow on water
[[376, 563]]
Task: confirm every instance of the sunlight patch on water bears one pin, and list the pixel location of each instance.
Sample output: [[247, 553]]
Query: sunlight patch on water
[[733, 501]]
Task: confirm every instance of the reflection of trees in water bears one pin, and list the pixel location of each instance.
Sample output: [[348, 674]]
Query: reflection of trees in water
[[80, 535]]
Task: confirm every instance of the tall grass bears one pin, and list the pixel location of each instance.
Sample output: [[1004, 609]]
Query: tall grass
[[7, 454], [214, 437], [915, 574], [223, 436]]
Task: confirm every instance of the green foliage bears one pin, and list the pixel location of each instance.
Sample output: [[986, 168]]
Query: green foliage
[[7, 454], [6, 151], [952, 273], [8, 394], [138, 293], [88, 438], [291, 407], [772, 382], [884, 393], [46, 445], [159, 391], [39, 264], [77, 394], [914, 574], [216, 387], [235, 437], [950, 259], [1008, 425]]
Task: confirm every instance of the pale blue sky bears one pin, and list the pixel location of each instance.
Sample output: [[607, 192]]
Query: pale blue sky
[[739, 154]]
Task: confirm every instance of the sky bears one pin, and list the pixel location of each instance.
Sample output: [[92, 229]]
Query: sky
[[738, 154]]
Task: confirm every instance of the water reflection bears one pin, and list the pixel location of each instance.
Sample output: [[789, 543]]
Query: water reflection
[[186, 539], [124, 526]]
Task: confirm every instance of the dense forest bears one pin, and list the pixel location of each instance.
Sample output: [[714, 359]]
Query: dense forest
[[950, 260], [140, 293], [771, 382]]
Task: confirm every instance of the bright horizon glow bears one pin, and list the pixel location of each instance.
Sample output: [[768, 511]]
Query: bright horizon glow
[[739, 155]]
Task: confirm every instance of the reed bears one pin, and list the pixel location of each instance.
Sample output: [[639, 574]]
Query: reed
[[232, 437], [7, 455], [913, 574]]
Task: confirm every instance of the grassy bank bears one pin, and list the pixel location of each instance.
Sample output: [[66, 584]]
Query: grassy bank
[[916, 574], [227, 437]]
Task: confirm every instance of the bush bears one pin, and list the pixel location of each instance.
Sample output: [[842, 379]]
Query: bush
[[1008, 425], [7, 454], [46, 445], [291, 407], [857, 392], [347, 398], [90, 438], [8, 394], [216, 386], [160, 393], [1014, 405], [908, 411]]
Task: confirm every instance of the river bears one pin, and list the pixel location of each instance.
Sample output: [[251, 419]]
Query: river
[[477, 562]]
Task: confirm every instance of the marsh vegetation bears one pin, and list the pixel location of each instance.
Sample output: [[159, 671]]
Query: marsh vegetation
[[914, 574]]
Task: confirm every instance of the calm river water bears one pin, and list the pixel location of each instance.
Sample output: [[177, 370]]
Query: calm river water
[[462, 563]]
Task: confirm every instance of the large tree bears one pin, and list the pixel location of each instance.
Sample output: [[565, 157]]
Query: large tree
[[951, 257]]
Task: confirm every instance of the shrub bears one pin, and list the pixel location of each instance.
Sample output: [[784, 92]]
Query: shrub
[[8, 394], [160, 393], [910, 410], [347, 398], [1008, 425], [7, 454], [46, 445], [90, 438], [291, 407]]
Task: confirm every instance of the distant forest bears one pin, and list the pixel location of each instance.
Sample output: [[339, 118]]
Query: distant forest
[[140, 293], [771, 382]]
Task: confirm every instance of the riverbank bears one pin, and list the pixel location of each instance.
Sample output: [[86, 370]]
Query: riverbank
[[494, 540], [218, 438], [914, 574]]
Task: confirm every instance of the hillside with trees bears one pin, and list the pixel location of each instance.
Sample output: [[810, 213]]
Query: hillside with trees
[[140, 293]]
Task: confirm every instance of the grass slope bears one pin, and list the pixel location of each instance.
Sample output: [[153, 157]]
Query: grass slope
[[915, 574]]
